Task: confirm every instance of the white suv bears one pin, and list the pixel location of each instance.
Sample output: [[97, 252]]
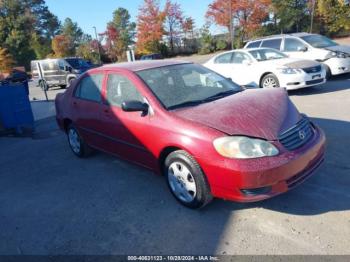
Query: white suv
[[335, 57]]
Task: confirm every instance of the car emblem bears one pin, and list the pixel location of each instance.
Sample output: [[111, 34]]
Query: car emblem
[[302, 135]]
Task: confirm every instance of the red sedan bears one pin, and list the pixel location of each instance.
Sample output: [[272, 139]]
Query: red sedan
[[208, 136]]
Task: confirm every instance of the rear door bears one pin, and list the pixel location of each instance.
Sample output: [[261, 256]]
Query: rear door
[[87, 105], [222, 64], [274, 43]]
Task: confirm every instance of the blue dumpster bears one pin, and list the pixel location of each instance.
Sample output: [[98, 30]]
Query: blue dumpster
[[15, 109]]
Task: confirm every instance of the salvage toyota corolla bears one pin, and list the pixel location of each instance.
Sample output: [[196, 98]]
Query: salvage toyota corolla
[[208, 136]]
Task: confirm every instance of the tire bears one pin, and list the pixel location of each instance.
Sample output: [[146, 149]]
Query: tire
[[70, 81], [269, 81], [186, 180], [43, 86], [328, 72], [76, 143]]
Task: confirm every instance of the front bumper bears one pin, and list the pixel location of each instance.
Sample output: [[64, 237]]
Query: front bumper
[[268, 176], [302, 80], [338, 65]]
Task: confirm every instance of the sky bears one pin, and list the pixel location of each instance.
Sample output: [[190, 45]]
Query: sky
[[89, 13]]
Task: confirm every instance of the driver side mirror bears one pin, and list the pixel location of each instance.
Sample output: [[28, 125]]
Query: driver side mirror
[[302, 48], [135, 106], [67, 68]]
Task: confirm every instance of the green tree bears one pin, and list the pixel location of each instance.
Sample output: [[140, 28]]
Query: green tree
[[124, 31], [24, 26], [73, 34], [292, 15], [334, 16], [206, 42]]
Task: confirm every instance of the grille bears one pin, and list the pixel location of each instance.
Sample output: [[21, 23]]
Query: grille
[[298, 135], [313, 82], [311, 70]]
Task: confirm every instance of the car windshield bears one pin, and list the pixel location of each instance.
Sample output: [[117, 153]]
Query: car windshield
[[186, 85], [319, 41], [77, 63], [266, 54]]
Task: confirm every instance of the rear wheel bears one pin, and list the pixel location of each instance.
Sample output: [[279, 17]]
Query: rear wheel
[[269, 81], [70, 81], [76, 143], [186, 180]]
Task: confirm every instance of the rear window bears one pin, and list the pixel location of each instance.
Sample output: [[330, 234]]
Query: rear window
[[272, 43], [253, 44]]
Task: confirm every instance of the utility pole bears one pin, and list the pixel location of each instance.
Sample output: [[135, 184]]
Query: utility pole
[[231, 25], [98, 45], [312, 15]]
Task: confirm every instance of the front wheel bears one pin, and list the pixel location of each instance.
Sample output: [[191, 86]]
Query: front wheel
[[186, 180], [269, 81]]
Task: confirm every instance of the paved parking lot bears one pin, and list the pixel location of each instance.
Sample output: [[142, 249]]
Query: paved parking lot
[[54, 203]]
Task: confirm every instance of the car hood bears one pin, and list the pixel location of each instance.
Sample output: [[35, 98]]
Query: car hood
[[292, 63], [341, 48], [255, 113]]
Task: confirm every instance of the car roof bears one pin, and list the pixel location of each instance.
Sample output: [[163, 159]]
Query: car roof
[[301, 34], [143, 65]]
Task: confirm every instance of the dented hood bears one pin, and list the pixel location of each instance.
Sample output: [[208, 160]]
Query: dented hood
[[260, 113]]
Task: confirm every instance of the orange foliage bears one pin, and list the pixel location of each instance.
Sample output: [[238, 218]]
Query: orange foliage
[[150, 27], [61, 46], [248, 13]]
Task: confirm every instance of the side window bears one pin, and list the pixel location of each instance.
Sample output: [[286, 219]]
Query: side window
[[90, 88], [61, 64], [272, 43], [292, 45], [223, 59], [120, 89], [239, 57], [253, 44]]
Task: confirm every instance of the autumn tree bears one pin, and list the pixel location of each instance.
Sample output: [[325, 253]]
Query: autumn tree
[[6, 61], [173, 22], [248, 15], [61, 46], [188, 27], [150, 28]]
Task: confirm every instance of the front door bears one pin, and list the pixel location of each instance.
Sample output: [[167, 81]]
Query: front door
[[124, 131]]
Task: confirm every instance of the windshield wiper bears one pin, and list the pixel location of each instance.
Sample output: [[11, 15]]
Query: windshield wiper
[[221, 94], [205, 100], [187, 103]]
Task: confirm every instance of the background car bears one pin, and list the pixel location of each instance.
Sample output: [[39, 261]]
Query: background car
[[267, 68], [58, 72], [152, 57], [335, 57], [205, 134]]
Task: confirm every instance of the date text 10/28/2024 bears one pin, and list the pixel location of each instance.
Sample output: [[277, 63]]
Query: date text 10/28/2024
[[173, 258]]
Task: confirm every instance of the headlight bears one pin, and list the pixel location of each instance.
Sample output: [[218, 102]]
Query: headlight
[[288, 71], [337, 54], [244, 147]]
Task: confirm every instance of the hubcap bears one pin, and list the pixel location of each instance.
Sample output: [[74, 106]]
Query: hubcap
[[269, 82], [74, 140], [182, 182]]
